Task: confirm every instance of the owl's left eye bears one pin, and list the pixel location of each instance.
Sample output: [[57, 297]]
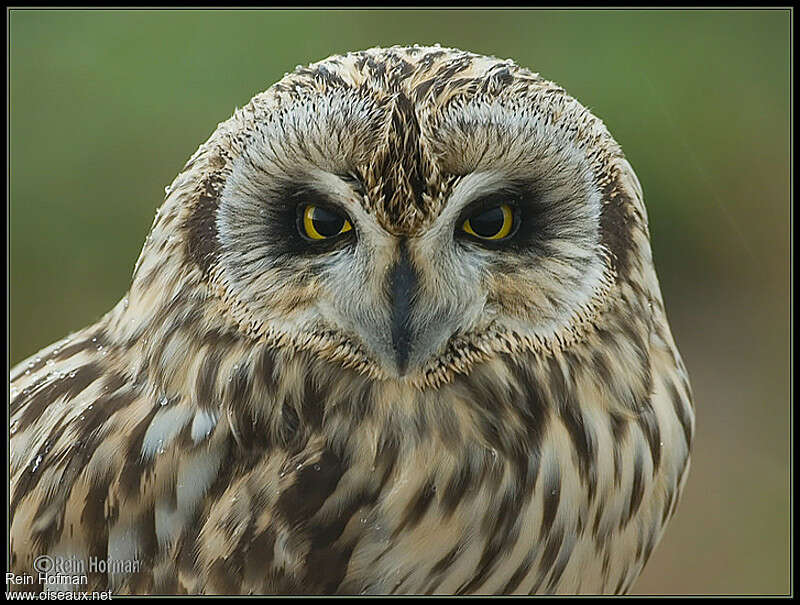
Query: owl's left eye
[[320, 223], [493, 223]]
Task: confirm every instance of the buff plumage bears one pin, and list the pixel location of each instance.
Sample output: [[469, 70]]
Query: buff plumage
[[243, 421]]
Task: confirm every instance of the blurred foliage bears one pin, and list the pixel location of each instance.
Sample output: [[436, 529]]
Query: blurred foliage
[[106, 106]]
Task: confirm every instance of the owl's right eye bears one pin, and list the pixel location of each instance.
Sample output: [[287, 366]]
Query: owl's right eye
[[318, 223]]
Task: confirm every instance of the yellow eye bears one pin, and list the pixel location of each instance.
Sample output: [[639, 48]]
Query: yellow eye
[[321, 223], [494, 223]]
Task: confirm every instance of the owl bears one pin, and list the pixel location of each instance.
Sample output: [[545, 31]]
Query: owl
[[396, 329]]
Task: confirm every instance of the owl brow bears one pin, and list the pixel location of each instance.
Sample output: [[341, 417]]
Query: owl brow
[[352, 179], [307, 194], [518, 193], [513, 193]]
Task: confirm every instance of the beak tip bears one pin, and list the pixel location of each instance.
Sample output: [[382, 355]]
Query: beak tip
[[401, 354]]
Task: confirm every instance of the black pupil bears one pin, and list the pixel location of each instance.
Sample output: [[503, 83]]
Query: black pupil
[[489, 223], [326, 223]]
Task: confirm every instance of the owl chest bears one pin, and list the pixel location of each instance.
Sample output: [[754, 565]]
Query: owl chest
[[487, 523], [535, 509]]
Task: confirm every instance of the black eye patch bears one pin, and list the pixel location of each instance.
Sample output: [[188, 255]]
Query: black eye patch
[[512, 218], [283, 222]]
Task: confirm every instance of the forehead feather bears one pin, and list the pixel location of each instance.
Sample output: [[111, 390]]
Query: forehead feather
[[408, 121]]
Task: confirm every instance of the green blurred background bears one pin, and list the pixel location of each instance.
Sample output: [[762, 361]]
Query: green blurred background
[[106, 106]]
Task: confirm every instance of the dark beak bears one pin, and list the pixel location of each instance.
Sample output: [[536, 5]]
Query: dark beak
[[403, 281]]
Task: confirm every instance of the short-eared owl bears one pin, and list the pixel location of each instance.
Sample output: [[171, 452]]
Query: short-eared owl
[[396, 329]]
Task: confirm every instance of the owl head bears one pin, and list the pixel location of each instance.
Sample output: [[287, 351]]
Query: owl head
[[405, 212]]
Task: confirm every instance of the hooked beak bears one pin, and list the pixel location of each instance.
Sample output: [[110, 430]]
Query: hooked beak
[[403, 284]]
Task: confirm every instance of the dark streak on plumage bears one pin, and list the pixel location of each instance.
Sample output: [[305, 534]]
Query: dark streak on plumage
[[422, 89], [47, 390], [75, 459], [401, 190], [551, 549], [329, 78], [551, 495], [606, 564], [98, 338], [186, 545], [600, 539], [652, 538], [560, 565], [258, 556], [521, 572], [402, 581], [240, 385], [460, 482], [221, 578], [437, 572], [134, 468], [680, 412], [206, 380], [95, 519], [616, 225], [265, 370], [585, 447], [637, 488], [648, 422], [621, 583], [147, 545], [666, 511], [417, 508], [619, 430], [200, 224], [311, 487], [501, 529]]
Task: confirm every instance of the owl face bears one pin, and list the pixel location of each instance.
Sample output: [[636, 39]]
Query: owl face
[[407, 211]]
